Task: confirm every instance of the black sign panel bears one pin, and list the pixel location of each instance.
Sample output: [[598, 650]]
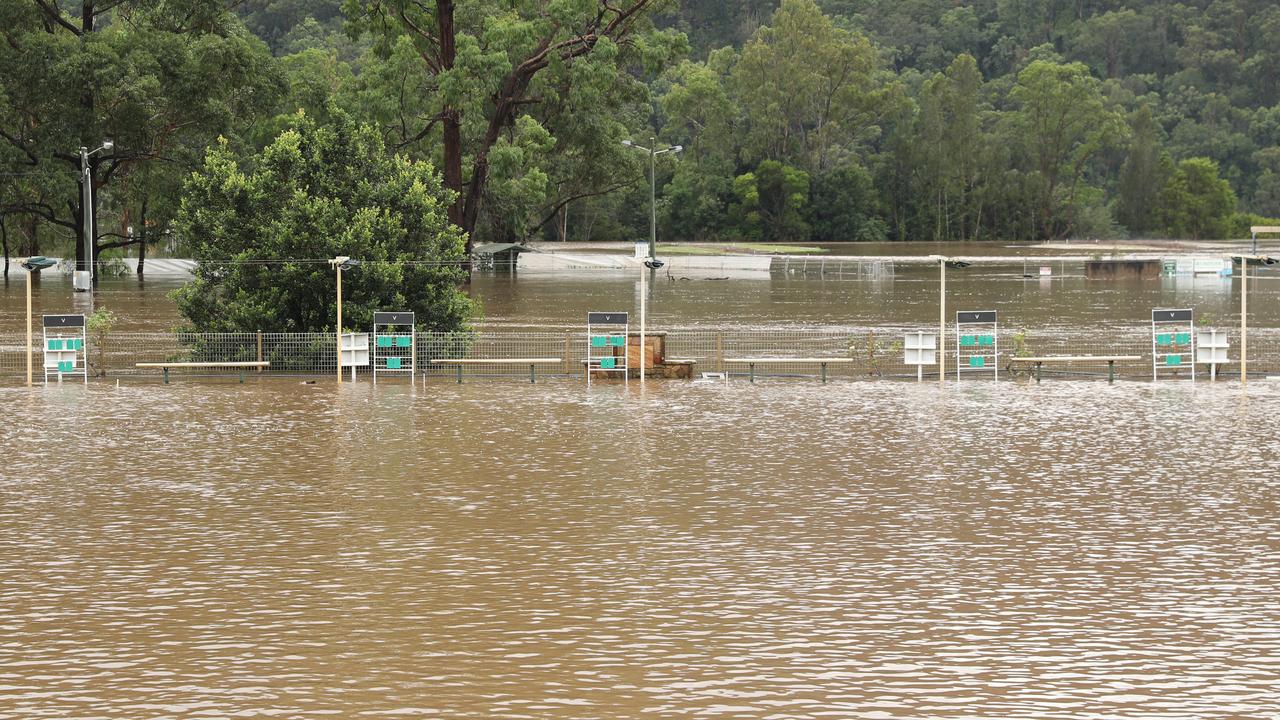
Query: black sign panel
[[1171, 315], [393, 318], [63, 321], [607, 318], [975, 316]]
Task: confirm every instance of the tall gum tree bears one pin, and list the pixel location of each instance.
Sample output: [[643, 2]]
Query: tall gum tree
[[482, 59], [158, 77]]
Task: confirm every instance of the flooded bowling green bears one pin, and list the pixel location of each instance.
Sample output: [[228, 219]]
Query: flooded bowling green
[[785, 549]]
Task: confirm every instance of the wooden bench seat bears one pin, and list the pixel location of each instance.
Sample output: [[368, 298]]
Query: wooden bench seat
[[820, 361], [239, 365], [1110, 360], [460, 363]]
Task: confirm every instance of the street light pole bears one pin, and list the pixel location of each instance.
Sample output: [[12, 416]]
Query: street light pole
[[340, 263], [337, 268], [87, 214], [943, 262], [32, 265], [652, 263], [653, 199], [942, 320], [1245, 260]]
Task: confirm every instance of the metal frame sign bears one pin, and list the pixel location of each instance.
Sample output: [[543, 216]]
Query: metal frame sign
[[603, 341], [66, 349], [920, 349], [977, 342], [394, 351], [1173, 342]]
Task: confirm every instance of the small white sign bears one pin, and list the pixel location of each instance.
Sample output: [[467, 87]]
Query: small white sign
[[920, 348], [355, 350]]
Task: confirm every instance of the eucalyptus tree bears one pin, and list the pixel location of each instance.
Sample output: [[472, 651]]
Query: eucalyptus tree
[[160, 78], [481, 65]]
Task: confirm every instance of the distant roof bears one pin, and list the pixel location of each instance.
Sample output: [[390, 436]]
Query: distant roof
[[499, 248]]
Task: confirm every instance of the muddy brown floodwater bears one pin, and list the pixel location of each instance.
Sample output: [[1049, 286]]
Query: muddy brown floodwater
[[560, 300], [502, 550]]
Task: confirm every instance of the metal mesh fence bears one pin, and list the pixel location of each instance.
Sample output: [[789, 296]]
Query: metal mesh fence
[[859, 353]]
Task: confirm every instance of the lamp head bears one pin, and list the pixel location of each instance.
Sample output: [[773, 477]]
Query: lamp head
[[951, 262], [1258, 260], [37, 262], [653, 263], [108, 144], [677, 148], [627, 143]]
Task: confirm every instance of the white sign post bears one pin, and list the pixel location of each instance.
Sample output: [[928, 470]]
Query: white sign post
[[920, 349], [355, 351]]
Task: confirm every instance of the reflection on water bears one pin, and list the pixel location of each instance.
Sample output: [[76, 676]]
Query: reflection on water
[[1070, 550]]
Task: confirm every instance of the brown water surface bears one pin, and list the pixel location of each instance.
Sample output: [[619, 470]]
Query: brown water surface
[[856, 550], [560, 300]]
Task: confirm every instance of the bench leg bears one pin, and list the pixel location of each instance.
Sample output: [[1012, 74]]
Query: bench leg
[[824, 373], [166, 375], [1038, 366], [242, 376], [531, 375], [1111, 371], [751, 372], [459, 374]]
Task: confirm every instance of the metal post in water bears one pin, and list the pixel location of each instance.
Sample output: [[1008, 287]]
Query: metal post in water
[[1244, 321], [337, 268], [29, 351], [942, 321], [642, 321]]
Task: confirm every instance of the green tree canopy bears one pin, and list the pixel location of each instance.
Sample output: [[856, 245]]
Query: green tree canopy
[[262, 226], [1197, 203], [160, 79]]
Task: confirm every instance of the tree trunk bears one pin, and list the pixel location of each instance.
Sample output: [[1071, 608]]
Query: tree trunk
[[4, 239], [451, 124], [86, 235], [142, 237]]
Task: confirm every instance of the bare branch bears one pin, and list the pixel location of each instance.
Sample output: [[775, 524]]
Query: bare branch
[[52, 12]]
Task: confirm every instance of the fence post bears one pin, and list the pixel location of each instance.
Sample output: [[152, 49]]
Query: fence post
[[568, 357], [719, 352], [259, 351]]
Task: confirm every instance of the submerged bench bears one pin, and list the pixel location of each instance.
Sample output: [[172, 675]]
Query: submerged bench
[[241, 366], [1110, 360], [531, 362], [821, 362]]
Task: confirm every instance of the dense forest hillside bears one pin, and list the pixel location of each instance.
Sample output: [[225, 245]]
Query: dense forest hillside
[[800, 120]]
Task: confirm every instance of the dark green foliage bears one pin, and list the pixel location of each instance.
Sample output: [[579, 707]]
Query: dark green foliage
[[898, 119], [260, 224]]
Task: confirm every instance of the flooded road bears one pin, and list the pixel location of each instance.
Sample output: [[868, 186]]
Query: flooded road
[[857, 550]]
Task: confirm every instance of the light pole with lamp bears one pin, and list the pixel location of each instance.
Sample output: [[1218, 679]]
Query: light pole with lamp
[[32, 265], [86, 202], [944, 263], [340, 263], [1245, 262], [653, 263]]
